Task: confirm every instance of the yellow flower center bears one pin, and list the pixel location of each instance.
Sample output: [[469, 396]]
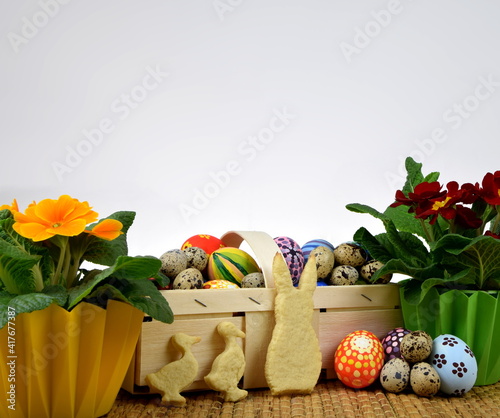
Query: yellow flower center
[[440, 204]]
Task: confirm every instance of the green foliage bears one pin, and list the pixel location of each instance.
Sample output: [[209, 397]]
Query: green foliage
[[448, 260], [27, 269], [105, 252]]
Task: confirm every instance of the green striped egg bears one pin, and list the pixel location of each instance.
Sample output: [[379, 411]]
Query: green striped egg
[[231, 264]]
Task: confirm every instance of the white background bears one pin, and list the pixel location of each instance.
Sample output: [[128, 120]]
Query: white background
[[364, 84]]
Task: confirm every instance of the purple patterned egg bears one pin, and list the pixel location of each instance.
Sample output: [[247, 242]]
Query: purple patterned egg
[[293, 255], [391, 343]]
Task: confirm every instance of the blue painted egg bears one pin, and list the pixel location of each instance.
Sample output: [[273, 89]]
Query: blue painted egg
[[293, 256], [455, 363], [311, 245]]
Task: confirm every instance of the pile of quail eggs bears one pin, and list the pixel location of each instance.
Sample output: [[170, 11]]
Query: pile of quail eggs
[[187, 269], [184, 267], [347, 264], [414, 360]]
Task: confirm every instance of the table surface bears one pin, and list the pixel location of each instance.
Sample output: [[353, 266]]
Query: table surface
[[330, 398]]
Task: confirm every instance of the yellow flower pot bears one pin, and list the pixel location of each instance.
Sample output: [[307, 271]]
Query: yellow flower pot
[[57, 363]]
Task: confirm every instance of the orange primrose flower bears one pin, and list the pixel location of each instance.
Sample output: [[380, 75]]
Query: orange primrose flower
[[65, 216], [108, 229], [13, 206]]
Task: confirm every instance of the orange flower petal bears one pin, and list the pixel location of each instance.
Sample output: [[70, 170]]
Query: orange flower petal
[[65, 216], [34, 231], [53, 211], [108, 229], [69, 229], [13, 206]]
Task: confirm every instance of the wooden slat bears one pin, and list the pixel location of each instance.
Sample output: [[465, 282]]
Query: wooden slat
[[191, 302], [209, 301], [258, 328], [334, 326], [357, 297]]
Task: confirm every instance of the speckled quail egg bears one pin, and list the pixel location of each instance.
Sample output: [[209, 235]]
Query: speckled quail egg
[[368, 269], [343, 275], [325, 261], [173, 262], [196, 257], [395, 375], [416, 346], [190, 278], [253, 280], [350, 254], [424, 379]]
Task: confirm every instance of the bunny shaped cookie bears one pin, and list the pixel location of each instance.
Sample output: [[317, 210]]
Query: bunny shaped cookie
[[293, 362]]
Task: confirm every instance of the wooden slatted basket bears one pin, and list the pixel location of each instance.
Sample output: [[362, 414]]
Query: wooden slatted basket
[[338, 310]]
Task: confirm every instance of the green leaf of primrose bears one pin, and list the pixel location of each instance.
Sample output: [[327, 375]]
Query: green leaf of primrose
[[376, 249], [406, 246], [412, 291], [25, 303], [360, 208], [58, 293], [125, 267], [105, 252], [155, 306], [133, 291], [434, 176], [481, 254], [405, 221], [5, 213], [161, 280], [414, 175], [26, 246], [419, 274], [15, 268]]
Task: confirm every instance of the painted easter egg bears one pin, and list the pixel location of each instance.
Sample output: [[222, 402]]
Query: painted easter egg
[[359, 359], [220, 284], [455, 363], [208, 243], [293, 256], [231, 264], [392, 343], [312, 244]]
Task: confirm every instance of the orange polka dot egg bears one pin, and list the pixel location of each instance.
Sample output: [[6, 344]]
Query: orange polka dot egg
[[359, 359]]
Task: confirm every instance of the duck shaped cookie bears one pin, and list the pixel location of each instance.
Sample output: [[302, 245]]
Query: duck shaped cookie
[[178, 375], [228, 366]]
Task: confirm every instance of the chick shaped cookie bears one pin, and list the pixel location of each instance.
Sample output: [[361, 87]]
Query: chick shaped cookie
[[178, 375], [229, 366]]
